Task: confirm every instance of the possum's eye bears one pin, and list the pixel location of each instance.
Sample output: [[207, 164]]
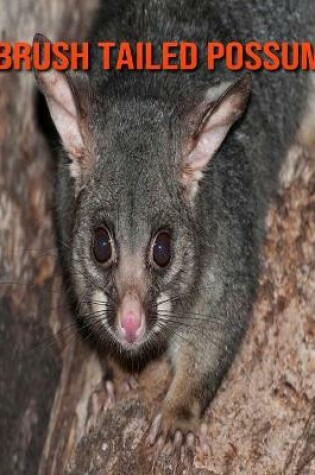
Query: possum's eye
[[102, 245], [161, 251]]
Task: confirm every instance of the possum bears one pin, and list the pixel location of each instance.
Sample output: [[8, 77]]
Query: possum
[[163, 183]]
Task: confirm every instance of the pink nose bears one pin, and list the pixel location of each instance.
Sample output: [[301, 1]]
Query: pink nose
[[130, 322], [131, 318]]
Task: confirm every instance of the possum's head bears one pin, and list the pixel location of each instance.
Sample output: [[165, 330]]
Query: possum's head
[[136, 165]]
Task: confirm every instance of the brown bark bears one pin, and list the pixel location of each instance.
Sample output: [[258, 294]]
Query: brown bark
[[262, 420], [29, 365]]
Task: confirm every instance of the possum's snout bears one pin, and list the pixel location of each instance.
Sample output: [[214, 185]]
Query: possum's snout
[[131, 318]]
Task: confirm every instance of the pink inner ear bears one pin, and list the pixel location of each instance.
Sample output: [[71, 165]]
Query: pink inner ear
[[228, 109], [208, 143], [59, 90], [62, 109]]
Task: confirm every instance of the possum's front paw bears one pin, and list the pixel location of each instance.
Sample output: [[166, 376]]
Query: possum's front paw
[[117, 383], [106, 394], [177, 426]]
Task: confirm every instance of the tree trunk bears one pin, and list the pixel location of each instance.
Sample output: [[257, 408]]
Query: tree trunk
[[31, 310], [55, 415]]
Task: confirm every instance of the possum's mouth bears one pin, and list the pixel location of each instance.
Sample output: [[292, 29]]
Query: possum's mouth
[[127, 334], [130, 324]]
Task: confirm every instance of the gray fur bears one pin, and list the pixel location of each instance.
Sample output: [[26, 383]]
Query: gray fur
[[139, 122]]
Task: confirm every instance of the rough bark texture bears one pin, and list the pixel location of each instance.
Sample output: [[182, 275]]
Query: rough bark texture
[[29, 313], [55, 416]]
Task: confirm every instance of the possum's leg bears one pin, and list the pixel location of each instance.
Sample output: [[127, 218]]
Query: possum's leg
[[116, 381], [200, 355], [197, 374], [180, 415], [115, 384]]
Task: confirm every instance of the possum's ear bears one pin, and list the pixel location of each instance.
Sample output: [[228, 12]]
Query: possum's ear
[[66, 94], [215, 116]]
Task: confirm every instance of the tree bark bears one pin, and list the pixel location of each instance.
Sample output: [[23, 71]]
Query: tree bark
[[55, 414], [30, 303]]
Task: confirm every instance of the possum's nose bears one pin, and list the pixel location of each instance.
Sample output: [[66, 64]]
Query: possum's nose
[[131, 318]]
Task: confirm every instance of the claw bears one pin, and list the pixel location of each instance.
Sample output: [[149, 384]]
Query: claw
[[182, 445], [154, 429], [190, 441], [130, 384], [110, 393], [203, 439], [160, 444], [178, 439], [168, 449], [97, 405]]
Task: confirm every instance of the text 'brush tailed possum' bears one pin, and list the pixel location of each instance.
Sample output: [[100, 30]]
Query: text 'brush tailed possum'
[[162, 187]]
